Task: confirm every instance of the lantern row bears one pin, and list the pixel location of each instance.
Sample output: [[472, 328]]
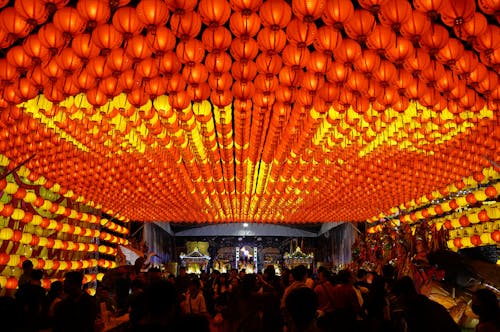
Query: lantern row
[[9, 234], [48, 264], [11, 282], [458, 219], [478, 235], [313, 107], [81, 53], [400, 123], [473, 181], [16, 191], [12, 188]]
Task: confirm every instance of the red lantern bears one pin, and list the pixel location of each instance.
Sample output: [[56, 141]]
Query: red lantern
[[214, 12], [381, 38], [489, 40], [417, 25], [34, 11], [466, 63], [181, 5], [161, 41], [473, 28], [337, 12], [217, 39], [14, 24], [243, 25], [275, 14], [246, 5], [295, 57], [436, 40], [394, 13], [106, 37], [476, 240], [300, 34], [327, 39], [84, 48], [457, 12], [118, 61], [69, 22], [94, 11], [360, 25], [271, 41], [400, 51], [495, 236], [348, 52], [186, 25], [191, 51], [138, 48], [269, 64], [152, 13], [127, 22], [308, 11], [69, 61]]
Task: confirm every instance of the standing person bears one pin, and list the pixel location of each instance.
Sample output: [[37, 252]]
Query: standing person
[[33, 302], [299, 274], [77, 312], [301, 305], [195, 301], [26, 276], [485, 305], [324, 292], [54, 296], [182, 281], [418, 313], [345, 302]]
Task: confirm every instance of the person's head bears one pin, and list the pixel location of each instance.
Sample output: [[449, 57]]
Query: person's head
[[223, 278], [194, 285], [485, 304], [301, 305], [27, 266], [299, 273], [388, 271], [269, 273], [361, 275], [36, 277], [182, 271], [404, 287], [171, 279], [344, 277], [73, 283], [56, 288], [323, 274], [242, 273]]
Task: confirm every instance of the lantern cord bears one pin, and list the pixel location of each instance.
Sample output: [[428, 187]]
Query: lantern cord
[[115, 215], [3, 176], [493, 163], [355, 228], [137, 231]]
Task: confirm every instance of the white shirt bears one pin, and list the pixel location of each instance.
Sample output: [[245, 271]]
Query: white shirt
[[195, 305]]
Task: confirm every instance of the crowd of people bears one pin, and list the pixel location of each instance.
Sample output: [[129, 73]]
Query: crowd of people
[[296, 301]]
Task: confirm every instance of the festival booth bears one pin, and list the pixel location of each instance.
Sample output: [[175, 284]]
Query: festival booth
[[197, 258], [246, 259], [224, 260], [273, 257], [298, 258], [436, 240]]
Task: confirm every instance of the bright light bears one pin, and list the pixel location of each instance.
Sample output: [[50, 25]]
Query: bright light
[[245, 224]]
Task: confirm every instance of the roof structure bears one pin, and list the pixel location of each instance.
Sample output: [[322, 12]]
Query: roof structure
[[274, 111]]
